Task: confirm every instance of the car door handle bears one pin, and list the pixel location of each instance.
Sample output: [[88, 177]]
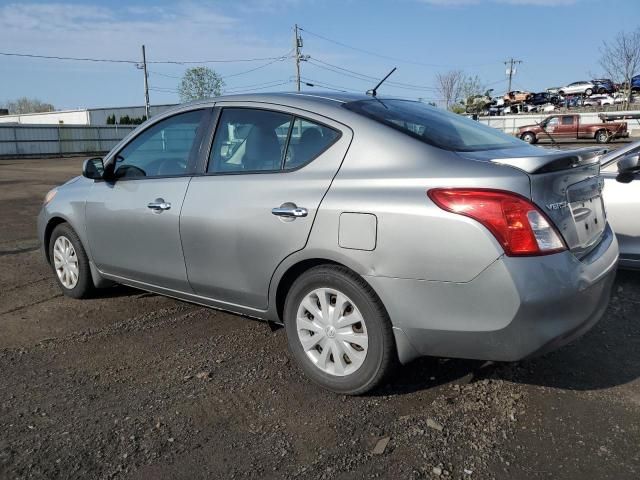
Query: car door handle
[[290, 211], [159, 205]]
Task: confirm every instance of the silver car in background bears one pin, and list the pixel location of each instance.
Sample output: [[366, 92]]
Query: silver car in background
[[376, 230]]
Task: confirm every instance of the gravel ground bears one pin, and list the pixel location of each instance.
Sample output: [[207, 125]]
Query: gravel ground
[[134, 385]]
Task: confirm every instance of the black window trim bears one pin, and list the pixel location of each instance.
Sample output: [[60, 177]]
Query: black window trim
[[294, 116], [194, 154]]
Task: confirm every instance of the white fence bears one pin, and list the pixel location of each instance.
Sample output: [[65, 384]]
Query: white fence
[[511, 123], [36, 140]]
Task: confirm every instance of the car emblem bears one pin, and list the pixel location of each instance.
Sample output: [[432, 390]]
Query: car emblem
[[556, 206]]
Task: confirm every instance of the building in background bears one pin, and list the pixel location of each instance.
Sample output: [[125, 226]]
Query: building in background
[[85, 116]]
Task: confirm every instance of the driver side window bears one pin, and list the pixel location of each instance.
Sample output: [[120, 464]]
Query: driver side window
[[162, 150]]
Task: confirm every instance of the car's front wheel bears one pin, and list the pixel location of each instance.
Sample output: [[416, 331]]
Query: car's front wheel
[[70, 263], [338, 330]]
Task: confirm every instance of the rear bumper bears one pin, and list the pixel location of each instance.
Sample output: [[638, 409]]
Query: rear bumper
[[516, 308]]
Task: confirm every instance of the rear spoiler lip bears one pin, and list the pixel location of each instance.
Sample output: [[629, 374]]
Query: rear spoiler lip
[[554, 161]]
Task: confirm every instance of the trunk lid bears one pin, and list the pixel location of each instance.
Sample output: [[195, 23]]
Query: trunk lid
[[565, 185]]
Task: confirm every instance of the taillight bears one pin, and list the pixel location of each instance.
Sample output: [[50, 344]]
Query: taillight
[[518, 225]]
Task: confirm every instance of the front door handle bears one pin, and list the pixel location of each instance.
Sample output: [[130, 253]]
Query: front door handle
[[159, 205], [289, 210]]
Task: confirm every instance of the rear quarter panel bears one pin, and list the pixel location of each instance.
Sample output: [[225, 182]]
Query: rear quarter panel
[[387, 174]]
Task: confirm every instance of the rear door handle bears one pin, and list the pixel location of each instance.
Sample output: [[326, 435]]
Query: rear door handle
[[159, 205], [290, 211]]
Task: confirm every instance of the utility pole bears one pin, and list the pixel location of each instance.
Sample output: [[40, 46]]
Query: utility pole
[[146, 83], [297, 43], [510, 71]]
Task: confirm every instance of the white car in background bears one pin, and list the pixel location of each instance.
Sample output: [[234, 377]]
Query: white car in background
[[578, 88], [622, 201], [598, 100]]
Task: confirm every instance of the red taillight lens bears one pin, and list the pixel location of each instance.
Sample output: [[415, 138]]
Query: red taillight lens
[[520, 227]]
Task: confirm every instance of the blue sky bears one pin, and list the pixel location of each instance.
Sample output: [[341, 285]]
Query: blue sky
[[557, 40]]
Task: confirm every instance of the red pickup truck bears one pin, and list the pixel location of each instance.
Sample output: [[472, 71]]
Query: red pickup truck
[[568, 127]]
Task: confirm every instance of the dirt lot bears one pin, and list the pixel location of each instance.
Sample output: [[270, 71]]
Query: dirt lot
[[133, 385]]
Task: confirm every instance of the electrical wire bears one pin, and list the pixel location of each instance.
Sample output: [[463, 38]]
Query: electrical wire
[[232, 91], [261, 84], [365, 77], [386, 57], [137, 62]]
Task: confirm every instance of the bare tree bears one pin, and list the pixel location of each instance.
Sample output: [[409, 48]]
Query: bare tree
[[621, 58], [449, 86], [471, 87], [28, 105]]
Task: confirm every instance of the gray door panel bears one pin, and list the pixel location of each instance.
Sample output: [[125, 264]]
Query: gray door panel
[[131, 240], [231, 239]]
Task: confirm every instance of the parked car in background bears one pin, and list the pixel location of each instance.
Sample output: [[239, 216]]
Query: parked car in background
[[622, 201], [516, 96], [635, 83], [604, 85], [578, 88], [598, 101], [370, 230], [542, 98], [569, 127]]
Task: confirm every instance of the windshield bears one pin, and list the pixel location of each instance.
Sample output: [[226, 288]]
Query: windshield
[[434, 126]]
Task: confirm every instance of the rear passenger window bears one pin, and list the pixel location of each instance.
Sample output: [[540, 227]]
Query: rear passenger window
[[252, 140], [308, 140], [249, 140], [567, 120]]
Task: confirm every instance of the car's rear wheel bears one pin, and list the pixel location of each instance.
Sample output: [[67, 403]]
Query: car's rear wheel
[[602, 136], [528, 137], [338, 330], [588, 92], [70, 263]]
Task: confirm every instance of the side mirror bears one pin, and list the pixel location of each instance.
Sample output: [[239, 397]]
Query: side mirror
[[93, 168], [628, 168]]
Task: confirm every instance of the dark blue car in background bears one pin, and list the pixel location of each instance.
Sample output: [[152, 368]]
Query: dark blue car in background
[[604, 85]]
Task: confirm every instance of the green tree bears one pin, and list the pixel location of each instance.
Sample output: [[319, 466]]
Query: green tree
[[199, 83]]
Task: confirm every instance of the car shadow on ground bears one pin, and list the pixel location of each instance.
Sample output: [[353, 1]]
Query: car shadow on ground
[[118, 291], [606, 356]]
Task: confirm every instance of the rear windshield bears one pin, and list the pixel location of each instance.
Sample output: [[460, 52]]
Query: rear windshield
[[434, 126]]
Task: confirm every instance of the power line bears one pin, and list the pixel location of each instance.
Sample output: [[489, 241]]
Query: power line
[[364, 77], [258, 88], [261, 84], [164, 74], [230, 75], [386, 57], [135, 62], [284, 57]]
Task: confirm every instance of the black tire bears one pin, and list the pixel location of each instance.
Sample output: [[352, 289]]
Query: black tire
[[84, 287], [561, 92], [381, 356], [529, 137], [602, 136], [588, 92]]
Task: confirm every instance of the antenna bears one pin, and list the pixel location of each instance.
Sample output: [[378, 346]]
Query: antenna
[[373, 92]]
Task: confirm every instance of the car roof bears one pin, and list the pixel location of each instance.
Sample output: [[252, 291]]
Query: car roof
[[288, 98], [324, 103]]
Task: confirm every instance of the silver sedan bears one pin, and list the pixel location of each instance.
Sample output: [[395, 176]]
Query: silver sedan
[[375, 230]]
